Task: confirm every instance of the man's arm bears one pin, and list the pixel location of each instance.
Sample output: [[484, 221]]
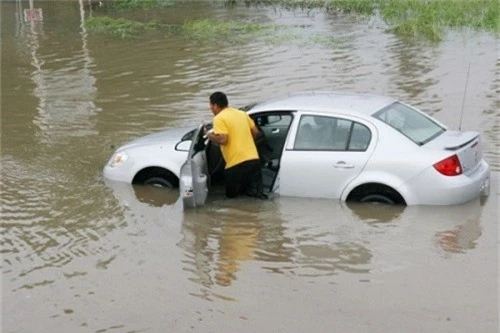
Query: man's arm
[[219, 138], [255, 131]]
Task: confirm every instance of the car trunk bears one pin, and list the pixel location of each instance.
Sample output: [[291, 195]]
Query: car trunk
[[466, 145]]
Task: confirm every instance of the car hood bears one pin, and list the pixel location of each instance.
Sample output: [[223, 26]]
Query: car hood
[[172, 135]]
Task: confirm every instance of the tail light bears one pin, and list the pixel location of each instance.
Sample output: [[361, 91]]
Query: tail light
[[449, 166]]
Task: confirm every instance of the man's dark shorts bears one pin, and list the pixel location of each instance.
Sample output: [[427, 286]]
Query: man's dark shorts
[[244, 178]]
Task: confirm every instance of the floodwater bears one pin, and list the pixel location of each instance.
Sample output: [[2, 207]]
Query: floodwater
[[81, 256]]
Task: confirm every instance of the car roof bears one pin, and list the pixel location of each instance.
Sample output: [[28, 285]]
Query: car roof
[[326, 101]]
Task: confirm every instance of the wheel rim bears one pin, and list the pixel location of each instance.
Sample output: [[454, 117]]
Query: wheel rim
[[158, 182], [378, 198]]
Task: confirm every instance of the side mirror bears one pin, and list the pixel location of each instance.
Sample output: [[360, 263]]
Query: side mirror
[[183, 145]]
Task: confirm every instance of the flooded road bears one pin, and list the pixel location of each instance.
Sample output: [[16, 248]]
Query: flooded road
[[79, 255]]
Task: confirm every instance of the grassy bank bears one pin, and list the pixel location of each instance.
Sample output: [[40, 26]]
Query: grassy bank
[[205, 29], [410, 18], [431, 18], [427, 19], [137, 4], [226, 30], [120, 27]]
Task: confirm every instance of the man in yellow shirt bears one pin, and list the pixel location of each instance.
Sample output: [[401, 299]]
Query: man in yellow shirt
[[235, 132]]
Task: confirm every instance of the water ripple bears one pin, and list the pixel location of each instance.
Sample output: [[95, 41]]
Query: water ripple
[[41, 231]]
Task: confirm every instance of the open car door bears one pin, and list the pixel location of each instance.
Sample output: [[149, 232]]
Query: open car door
[[193, 182]]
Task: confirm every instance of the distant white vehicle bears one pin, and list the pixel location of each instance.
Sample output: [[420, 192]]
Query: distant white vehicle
[[343, 146]]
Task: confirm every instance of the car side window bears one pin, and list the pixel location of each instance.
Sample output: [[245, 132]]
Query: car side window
[[360, 137], [316, 133], [323, 133], [279, 120]]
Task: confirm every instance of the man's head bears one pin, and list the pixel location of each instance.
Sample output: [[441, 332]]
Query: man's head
[[218, 101]]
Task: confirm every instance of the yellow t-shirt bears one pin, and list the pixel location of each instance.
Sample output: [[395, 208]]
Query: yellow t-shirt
[[240, 146]]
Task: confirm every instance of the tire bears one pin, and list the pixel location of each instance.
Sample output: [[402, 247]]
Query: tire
[[157, 177], [158, 182], [379, 198]]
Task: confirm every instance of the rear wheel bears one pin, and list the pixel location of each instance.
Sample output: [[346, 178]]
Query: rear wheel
[[378, 193], [157, 177], [381, 198]]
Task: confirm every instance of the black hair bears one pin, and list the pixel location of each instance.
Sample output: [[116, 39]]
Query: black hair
[[219, 98]]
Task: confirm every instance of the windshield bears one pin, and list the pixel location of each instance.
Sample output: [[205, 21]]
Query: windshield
[[410, 122]]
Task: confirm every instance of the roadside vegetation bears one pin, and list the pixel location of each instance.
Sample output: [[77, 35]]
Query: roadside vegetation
[[207, 29], [428, 19], [409, 18], [120, 27], [204, 30], [137, 4]]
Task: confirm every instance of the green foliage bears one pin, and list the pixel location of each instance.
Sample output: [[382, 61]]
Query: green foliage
[[364, 7], [212, 30], [120, 27], [292, 4], [429, 18], [325, 41], [413, 28], [407, 18], [426, 18], [138, 4]]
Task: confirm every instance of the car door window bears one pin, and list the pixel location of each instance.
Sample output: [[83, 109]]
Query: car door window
[[360, 137], [317, 133], [275, 127], [323, 133]]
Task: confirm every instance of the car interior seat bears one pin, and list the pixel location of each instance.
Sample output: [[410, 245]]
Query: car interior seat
[[305, 137]]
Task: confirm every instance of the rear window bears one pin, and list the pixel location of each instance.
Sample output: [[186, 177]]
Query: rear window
[[410, 122]]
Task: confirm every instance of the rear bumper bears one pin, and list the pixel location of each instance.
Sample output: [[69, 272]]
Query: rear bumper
[[432, 188]]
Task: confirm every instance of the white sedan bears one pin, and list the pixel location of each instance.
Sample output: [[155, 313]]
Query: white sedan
[[343, 146]]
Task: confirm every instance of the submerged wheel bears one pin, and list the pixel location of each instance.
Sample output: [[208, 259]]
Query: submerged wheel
[[158, 182], [381, 198], [378, 193], [157, 177]]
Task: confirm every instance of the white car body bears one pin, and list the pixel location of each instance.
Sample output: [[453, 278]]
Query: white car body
[[154, 150], [372, 153]]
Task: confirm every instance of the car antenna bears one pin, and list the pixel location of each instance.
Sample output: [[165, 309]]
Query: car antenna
[[463, 99]]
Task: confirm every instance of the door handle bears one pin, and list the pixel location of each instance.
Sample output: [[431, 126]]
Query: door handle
[[275, 130], [343, 165]]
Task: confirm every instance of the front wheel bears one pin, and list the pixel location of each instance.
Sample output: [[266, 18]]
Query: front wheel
[[157, 177], [158, 182]]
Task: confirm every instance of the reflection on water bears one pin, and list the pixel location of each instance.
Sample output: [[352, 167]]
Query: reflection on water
[[303, 237], [220, 238], [463, 237], [63, 82], [156, 196], [376, 213]]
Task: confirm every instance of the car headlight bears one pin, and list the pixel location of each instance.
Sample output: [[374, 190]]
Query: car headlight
[[118, 159]]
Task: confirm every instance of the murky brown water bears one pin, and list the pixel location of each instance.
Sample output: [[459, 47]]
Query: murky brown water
[[80, 256]]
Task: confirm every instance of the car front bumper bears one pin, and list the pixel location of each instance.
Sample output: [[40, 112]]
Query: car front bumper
[[120, 173]]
